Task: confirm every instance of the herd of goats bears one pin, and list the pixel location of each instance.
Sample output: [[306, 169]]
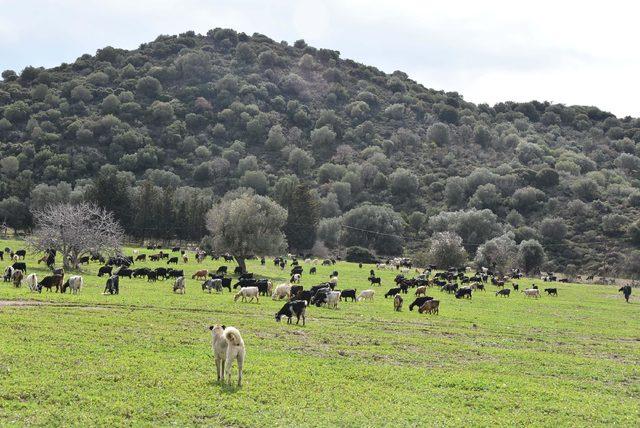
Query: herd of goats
[[457, 281]]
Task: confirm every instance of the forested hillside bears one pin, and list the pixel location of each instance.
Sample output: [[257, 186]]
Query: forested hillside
[[159, 133]]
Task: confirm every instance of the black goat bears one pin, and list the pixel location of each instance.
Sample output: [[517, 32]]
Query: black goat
[[295, 307]]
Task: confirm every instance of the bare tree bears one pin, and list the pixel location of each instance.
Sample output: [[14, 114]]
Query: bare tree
[[76, 231]]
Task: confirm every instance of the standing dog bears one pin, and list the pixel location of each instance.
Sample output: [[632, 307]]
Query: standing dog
[[227, 346]]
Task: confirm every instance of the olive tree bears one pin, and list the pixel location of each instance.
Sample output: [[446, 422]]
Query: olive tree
[[374, 226], [497, 253], [403, 183], [446, 250], [246, 225], [531, 255], [76, 231]]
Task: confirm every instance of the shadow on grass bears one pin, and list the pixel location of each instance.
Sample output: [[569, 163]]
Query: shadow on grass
[[227, 388]]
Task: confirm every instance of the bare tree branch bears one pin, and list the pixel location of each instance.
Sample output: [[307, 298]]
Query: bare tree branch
[[76, 231]]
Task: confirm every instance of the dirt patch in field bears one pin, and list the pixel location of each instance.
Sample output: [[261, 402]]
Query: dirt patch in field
[[26, 303], [20, 303]]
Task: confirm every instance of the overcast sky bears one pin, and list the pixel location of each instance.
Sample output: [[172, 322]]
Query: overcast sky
[[572, 52]]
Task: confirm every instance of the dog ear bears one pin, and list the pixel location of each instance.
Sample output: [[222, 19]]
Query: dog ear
[[210, 327], [224, 326]]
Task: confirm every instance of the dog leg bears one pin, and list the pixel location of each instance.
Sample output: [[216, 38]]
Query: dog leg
[[240, 364]]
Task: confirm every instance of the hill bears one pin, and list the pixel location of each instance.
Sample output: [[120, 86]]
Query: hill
[[159, 133]]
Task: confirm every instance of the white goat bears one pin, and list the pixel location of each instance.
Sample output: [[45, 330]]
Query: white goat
[[247, 293], [366, 295], [281, 291]]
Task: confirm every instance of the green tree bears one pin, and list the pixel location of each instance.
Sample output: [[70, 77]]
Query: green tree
[[110, 190], [300, 161], [553, 229], [446, 250], [255, 180], [247, 225], [302, 219], [439, 134], [403, 183], [498, 253], [15, 213], [149, 87], [531, 256], [329, 230], [275, 140], [374, 226]]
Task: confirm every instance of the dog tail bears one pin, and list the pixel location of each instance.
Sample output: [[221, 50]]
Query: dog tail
[[233, 335]]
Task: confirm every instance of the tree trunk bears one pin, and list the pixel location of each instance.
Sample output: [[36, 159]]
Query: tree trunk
[[65, 261], [241, 262]]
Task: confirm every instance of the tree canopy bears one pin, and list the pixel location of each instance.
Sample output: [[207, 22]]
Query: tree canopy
[[247, 225]]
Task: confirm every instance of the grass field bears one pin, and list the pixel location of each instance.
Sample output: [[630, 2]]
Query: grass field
[[143, 357]]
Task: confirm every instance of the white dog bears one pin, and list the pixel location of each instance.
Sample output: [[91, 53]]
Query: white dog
[[227, 346]]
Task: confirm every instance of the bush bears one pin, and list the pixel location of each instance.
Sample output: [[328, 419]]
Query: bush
[[439, 134], [359, 255]]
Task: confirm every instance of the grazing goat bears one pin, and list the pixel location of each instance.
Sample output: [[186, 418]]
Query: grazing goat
[[227, 345], [212, 284], [105, 270], [295, 289], [313, 270], [366, 295], [505, 292], [421, 290], [282, 291], [373, 280], [17, 278], [247, 293], [430, 307], [74, 283], [201, 274], [295, 278], [32, 281], [333, 281], [397, 302], [333, 297], [179, 285], [173, 260], [20, 266], [463, 292], [8, 273], [419, 302], [348, 294], [551, 291], [49, 282], [532, 292], [295, 307], [392, 292], [123, 271]]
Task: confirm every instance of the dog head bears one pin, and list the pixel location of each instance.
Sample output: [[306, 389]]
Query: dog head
[[217, 329]]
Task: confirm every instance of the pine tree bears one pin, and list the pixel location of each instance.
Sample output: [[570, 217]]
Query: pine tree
[[302, 219]]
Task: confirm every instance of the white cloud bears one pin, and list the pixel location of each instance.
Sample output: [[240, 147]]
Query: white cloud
[[575, 52]]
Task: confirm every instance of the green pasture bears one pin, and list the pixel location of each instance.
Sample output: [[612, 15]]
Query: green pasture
[[143, 357]]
